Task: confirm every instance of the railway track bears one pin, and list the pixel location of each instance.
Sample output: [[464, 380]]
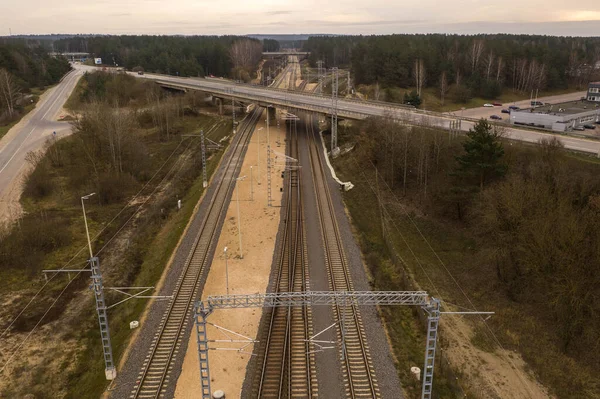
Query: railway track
[[357, 367], [285, 360], [155, 376]]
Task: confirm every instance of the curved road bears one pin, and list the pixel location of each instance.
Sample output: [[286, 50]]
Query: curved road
[[30, 134]]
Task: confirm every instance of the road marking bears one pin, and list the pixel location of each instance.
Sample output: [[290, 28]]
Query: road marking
[[35, 127]]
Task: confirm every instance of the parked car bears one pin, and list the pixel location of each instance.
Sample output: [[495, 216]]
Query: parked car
[[140, 72], [580, 128], [496, 117], [536, 103], [589, 126], [488, 105], [497, 104], [505, 111], [514, 107]]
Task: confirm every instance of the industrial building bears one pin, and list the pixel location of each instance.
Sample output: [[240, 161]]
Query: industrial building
[[559, 117], [593, 93]]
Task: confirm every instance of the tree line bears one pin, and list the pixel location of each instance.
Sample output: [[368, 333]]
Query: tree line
[[481, 65], [270, 45], [172, 55], [23, 67]]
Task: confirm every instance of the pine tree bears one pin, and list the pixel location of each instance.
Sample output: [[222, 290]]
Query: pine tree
[[484, 152]]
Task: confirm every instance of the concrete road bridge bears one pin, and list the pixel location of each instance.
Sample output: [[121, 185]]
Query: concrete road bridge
[[73, 56], [351, 108], [281, 98], [285, 53]]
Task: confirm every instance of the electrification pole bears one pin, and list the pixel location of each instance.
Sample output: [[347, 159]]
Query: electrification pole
[[268, 161], [109, 368], [233, 112], [203, 147], [320, 76], [334, 110]]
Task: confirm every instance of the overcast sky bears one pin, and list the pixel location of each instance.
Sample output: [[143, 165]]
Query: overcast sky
[[555, 17]]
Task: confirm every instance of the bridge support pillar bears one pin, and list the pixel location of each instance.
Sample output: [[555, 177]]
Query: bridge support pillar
[[219, 103], [271, 114]]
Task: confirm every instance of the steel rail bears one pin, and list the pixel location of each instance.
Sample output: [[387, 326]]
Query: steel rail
[[153, 379], [287, 368], [356, 360]]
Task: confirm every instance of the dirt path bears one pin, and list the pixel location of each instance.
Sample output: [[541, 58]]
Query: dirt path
[[259, 226]]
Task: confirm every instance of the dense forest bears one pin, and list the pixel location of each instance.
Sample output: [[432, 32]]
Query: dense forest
[[23, 67], [174, 55], [481, 65], [518, 226], [270, 45]]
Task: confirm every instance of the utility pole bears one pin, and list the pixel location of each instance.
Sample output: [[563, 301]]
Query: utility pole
[[237, 195], [258, 153], [109, 368], [268, 160], [226, 271], [203, 147], [251, 186], [320, 76], [334, 110], [110, 371], [233, 112]]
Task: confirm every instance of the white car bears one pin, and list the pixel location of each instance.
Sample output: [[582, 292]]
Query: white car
[[488, 105]]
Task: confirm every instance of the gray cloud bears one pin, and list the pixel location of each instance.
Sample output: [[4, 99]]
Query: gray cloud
[[282, 12], [579, 17]]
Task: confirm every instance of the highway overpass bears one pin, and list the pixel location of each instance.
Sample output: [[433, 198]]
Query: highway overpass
[[350, 108], [265, 96], [73, 56], [285, 53]]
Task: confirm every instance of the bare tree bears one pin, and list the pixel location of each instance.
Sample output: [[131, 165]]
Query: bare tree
[[377, 91], [489, 60], [443, 87], [475, 53], [499, 68], [419, 75], [9, 92], [245, 54]]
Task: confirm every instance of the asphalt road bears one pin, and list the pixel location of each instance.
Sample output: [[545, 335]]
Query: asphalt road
[[28, 135], [486, 112], [363, 108]]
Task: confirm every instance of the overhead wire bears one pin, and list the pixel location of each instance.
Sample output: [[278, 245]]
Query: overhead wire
[[83, 248], [48, 280], [495, 338]]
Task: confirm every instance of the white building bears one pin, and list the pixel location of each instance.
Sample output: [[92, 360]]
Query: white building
[[559, 117]]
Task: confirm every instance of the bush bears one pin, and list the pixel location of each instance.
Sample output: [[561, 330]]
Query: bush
[[38, 183], [114, 188], [32, 238], [461, 94]]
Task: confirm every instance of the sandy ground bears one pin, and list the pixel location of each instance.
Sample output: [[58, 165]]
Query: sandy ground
[[259, 225], [501, 374]]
